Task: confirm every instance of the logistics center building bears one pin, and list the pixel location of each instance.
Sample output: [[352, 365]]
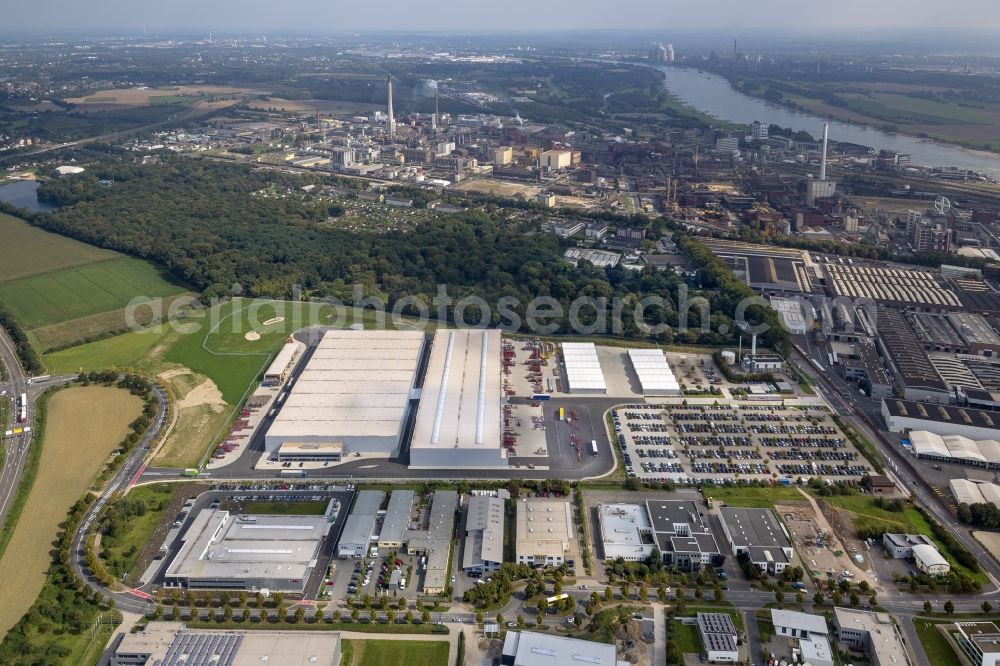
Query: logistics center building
[[458, 422], [353, 395]]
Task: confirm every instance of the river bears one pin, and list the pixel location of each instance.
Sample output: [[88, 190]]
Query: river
[[23, 194], [712, 94]]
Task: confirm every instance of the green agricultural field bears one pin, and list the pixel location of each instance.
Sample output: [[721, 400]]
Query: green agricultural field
[[28, 250], [72, 293], [131, 350], [380, 653]]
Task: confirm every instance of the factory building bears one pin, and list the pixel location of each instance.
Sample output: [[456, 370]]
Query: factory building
[[681, 535], [396, 521], [913, 372], [353, 395], [980, 641], [654, 373], [971, 492], [583, 368], [544, 532], [247, 552], [434, 543], [173, 644], [458, 423], [757, 534], [356, 537], [483, 545]]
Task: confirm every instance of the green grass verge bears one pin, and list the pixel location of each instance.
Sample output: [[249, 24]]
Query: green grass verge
[[72, 293], [411, 653], [752, 497], [686, 636], [122, 552], [939, 652]]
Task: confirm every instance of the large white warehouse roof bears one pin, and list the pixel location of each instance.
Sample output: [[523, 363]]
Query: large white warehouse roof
[[458, 421], [356, 386], [583, 368], [655, 375]]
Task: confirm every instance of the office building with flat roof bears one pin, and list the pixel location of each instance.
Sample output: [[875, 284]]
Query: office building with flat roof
[[355, 391], [484, 528], [172, 644], [809, 630], [248, 552], [356, 537], [458, 423], [625, 532], [980, 641], [681, 535], [544, 532], [757, 534], [875, 634]]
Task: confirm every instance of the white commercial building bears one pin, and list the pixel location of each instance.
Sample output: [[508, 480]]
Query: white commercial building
[[975, 492], [461, 406], [554, 160], [874, 633], [653, 371], [583, 368], [811, 632], [526, 648], [355, 390], [626, 532], [930, 561], [544, 532], [956, 449], [245, 552]]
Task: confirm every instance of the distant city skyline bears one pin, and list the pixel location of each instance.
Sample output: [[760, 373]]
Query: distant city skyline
[[317, 16]]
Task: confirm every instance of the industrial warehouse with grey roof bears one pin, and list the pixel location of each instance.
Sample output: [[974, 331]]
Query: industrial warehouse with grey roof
[[248, 552], [757, 534], [357, 533], [396, 520], [681, 535], [484, 528], [435, 542]]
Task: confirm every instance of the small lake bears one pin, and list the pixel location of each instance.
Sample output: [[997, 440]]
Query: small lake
[[23, 194], [712, 94]]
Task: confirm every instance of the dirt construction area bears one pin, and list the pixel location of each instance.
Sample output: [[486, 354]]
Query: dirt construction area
[[838, 545], [201, 412], [83, 426]]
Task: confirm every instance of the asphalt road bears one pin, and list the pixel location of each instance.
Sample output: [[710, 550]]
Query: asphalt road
[[17, 446]]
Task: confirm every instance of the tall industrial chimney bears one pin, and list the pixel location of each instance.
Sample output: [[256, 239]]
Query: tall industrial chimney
[[822, 162], [392, 119], [437, 116], [753, 345]]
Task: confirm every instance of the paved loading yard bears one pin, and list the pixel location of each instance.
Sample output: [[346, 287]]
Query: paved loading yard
[[725, 441]]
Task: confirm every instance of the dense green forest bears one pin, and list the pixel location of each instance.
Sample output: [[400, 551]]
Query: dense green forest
[[203, 223]]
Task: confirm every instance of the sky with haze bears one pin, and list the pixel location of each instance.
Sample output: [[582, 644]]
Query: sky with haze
[[329, 16]]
